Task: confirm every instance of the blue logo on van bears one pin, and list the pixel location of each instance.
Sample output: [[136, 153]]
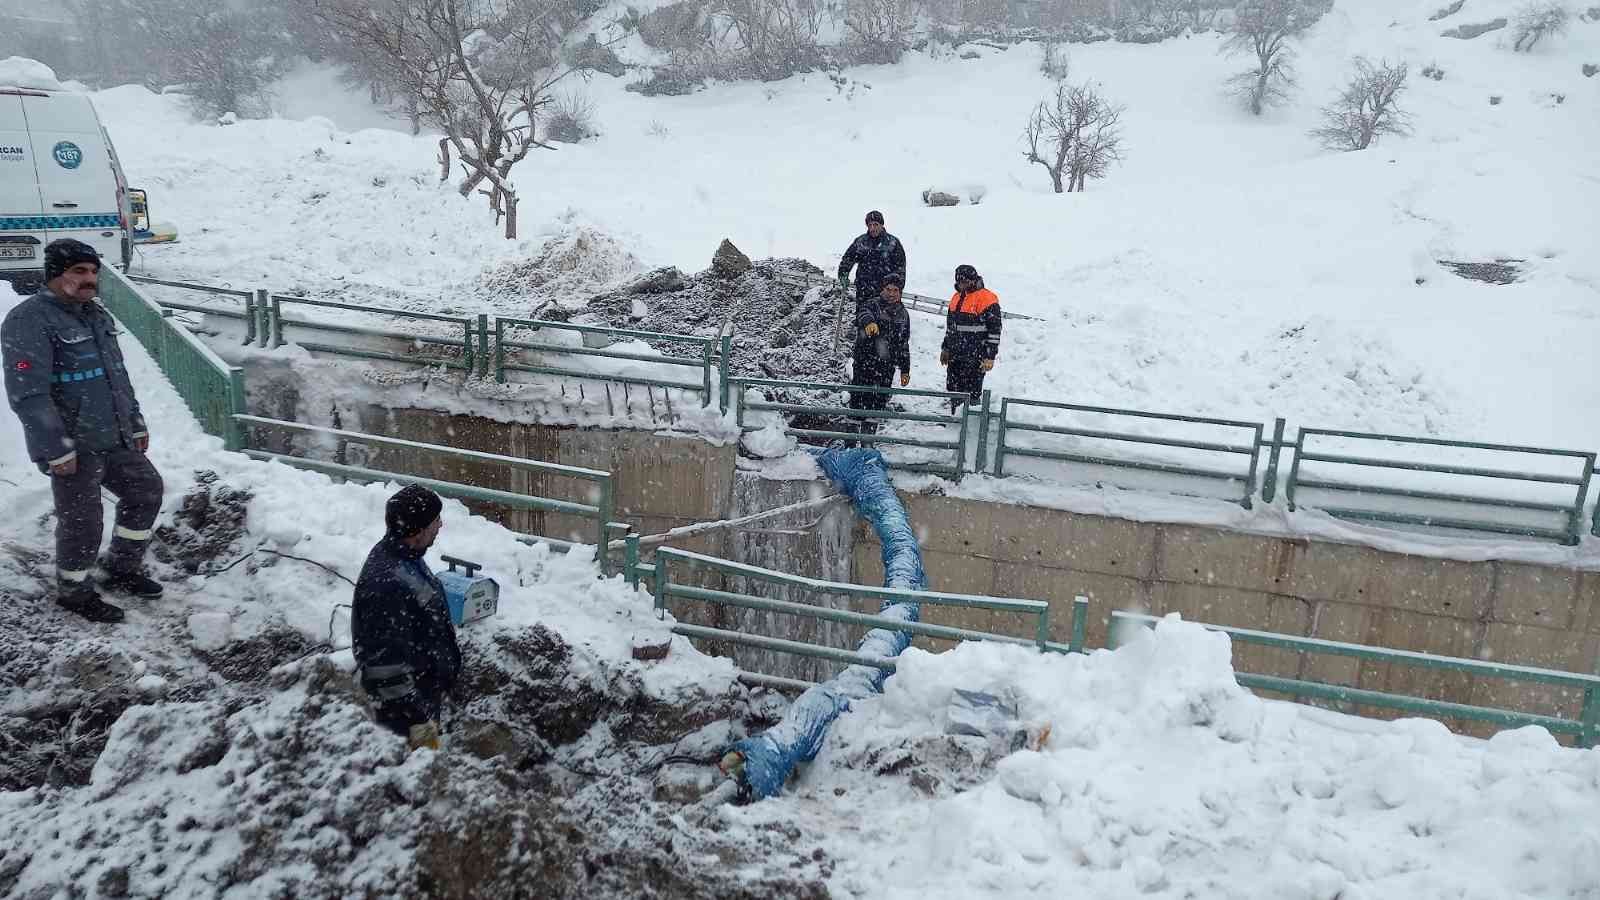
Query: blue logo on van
[[68, 155]]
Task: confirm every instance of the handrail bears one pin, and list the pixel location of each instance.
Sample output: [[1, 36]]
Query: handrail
[[1586, 727], [1487, 513]]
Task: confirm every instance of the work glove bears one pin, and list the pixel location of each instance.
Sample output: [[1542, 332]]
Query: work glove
[[944, 357], [844, 282], [905, 378], [872, 329], [988, 365], [423, 735]]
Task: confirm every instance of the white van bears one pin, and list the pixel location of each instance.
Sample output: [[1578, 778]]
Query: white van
[[59, 177]]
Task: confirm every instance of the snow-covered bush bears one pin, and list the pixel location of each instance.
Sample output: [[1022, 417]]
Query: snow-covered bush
[[1053, 61], [571, 118], [1538, 20], [879, 30]]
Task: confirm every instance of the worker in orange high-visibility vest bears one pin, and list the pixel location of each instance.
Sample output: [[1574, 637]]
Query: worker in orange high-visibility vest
[[971, 335]]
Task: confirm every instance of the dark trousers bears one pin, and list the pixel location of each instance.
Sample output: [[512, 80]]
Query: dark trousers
[[964, 376], [80, 524], [869, 376]]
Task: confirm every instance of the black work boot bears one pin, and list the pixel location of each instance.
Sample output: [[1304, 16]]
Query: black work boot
[[83, 600], [132, 583]]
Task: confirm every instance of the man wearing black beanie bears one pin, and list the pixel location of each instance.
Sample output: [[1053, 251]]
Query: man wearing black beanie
[[66, 381], [405, 645]]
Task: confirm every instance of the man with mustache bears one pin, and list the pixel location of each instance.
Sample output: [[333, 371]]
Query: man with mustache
[[66, 381]]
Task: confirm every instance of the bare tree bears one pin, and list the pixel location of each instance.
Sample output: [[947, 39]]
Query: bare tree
[[482, 73], [1054, 63], [882, 28], [1262, 30], [777, 37], [1195, 15], [1367, 108], [1536, 21], [1075, 135]]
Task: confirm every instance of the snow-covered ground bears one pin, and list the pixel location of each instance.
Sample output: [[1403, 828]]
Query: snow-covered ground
[[1228, 267], [1162, 778], [1159, 777]]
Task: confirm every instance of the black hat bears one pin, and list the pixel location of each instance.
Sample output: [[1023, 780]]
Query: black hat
[[967, 272], [874, 216], [411, 509], [894, 278], [61, 255]]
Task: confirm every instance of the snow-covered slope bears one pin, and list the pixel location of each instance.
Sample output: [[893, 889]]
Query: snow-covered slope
[[1229, 266], [1162, 778]]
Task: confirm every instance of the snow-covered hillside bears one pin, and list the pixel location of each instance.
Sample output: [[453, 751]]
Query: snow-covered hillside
[[1229, 266]]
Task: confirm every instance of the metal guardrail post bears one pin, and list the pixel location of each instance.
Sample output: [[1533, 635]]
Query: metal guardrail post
[[1591, 718], [1269, 484], [1575, 520], [1041, 632], [601, 547], [1080, 622], [961, 441], [277, 322], [982, 460], [705, 374], [630, 559], [500, 350], [724, 363], [1294, 467], [232, 430], [253, 305], [658, 584], [264, 314], [1250, 477], [483, 345], [1000, 441]]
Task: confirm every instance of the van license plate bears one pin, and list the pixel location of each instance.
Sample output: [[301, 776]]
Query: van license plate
[[16, 251]]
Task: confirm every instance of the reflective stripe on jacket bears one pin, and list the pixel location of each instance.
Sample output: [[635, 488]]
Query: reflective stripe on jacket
[[66, 380], [972, 327]]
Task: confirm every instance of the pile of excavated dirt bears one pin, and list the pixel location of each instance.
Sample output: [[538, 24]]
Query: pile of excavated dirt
[[569, 265], [298, 794], [138, 763], [780, 330]]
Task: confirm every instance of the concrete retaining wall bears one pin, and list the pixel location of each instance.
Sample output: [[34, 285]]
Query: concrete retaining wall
[[1500, 611]]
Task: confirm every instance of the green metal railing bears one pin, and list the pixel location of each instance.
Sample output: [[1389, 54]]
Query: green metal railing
[[1568, 514], [709, 355], [212, 389], [483, 346], [1586, 728], [458, 352], [957, 449], [248, 314], [659, 577], [1009, 424], [601, 512]]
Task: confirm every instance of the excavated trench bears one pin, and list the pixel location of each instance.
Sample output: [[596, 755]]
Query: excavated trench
[[134, 767]]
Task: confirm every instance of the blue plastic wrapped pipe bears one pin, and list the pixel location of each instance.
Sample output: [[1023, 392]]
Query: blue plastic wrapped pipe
[[770, 757]]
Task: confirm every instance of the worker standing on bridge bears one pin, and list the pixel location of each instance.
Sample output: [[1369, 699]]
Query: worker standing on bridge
[[875, 256], [66, 381], [404, 642], [971, 335], [883, 344]]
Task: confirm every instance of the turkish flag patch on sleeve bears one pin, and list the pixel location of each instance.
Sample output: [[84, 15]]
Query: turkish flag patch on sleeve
[[23, 365]]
